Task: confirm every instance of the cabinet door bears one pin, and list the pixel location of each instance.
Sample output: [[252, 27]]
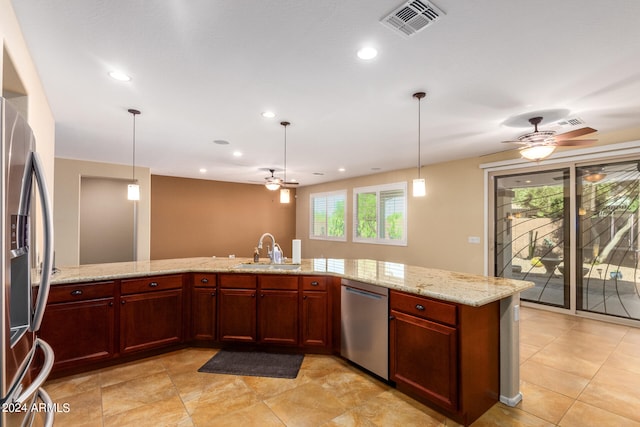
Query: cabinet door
[[150, 320], [237, 315], [278, 317], [315, 319], [423, 356], [80, 331], [203, 314]]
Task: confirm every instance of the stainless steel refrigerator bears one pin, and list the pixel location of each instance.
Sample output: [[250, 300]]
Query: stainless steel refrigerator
[[25, 359]]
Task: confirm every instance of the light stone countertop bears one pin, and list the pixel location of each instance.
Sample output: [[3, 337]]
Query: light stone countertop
[[463, 288]]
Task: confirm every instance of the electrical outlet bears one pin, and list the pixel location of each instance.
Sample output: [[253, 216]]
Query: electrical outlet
[[474, 239]]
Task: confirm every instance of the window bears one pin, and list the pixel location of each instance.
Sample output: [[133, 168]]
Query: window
[[380, 214], [328, 216]]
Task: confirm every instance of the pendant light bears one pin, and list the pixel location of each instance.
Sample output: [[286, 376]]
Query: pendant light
[[285, 193], [133, 190], [419, 186]]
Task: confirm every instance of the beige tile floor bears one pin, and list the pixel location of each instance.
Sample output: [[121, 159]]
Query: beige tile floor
[[574, 372]]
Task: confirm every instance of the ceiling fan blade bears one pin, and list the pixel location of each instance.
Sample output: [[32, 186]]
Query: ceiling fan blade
[[291, 183], [575, 142], [574, 133], [515, 142]]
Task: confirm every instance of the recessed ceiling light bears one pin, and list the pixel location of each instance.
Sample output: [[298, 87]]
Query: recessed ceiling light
[[237, 154], [203, 170], [367, 53], [120, 76], [268, 114], [220, 142], [341, 170]]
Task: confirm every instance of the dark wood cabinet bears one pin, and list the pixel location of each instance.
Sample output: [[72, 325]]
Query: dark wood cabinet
[[203, 307], [278, 309], [151, 313], [237, 308], [445, 354], [314, 324], [79, 323], [424, 355]]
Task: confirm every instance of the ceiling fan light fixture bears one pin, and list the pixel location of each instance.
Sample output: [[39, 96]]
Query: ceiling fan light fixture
[[272, 185], [537, 152]]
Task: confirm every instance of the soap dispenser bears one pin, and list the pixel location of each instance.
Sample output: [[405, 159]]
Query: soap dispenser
[[256, 255]]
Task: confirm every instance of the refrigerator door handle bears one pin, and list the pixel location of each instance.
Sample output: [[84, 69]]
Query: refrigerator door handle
[[42, 375], [47, 257]]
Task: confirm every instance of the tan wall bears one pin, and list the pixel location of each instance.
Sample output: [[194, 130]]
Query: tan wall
[[193, 217], [439, 224], [66, 215]]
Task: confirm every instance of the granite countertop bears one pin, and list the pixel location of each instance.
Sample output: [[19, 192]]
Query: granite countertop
[[463, 288]]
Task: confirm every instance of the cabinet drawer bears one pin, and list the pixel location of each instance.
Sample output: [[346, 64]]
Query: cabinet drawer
[[80, 291], [204, 280], [150, 284], [424, 307], [238, 281], [314, 283], [278, 282]]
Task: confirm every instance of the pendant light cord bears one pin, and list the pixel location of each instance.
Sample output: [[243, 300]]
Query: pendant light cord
[[285, 124], [419, 96], [134, 113]]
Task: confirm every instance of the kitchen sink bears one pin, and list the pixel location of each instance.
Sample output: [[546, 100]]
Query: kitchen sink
[[259, 266]]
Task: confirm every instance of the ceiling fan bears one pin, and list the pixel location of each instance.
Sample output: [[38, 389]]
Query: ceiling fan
[[540, 144], [273, 182]]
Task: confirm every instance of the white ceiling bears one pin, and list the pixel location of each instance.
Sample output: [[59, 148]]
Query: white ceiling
[[204, 70]]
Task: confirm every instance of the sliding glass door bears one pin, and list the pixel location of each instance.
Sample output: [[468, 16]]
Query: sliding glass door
[[531, 233], [574, 231], [608, 249]]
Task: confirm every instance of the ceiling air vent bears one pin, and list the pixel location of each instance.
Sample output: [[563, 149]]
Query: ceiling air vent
[[570, 121], [412, 16]]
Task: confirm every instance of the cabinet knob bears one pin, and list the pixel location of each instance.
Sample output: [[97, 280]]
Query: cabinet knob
[[204, 280], [261, 295], [420, 307], [253, 295], [314, 283], [122, 302], [76, 292], [111, 304], [392, 317], [213, 294], [153, 284], [304, 297]]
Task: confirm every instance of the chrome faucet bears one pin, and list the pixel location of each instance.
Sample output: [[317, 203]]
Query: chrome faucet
[[273, 244]]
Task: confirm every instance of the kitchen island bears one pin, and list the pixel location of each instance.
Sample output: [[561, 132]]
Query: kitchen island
[[453, 336]]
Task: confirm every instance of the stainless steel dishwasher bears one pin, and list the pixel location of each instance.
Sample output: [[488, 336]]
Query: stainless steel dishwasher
[[364, 318]]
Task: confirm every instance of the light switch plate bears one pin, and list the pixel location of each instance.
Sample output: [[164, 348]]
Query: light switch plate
[[474, 239]]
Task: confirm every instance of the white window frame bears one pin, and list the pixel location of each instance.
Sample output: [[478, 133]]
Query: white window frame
[[379, 189], [325, 195]]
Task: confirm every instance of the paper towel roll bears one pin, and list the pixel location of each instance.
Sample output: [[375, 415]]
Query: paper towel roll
[[296, 255]]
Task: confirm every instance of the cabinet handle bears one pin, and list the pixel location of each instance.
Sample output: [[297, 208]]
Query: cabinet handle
[[111, 304], [314, 283], [304, 297], [392, 317], [262, 295], [76, 292], [122, 302], [213, 294], [205, 280], [420, 307], [153, 284]]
